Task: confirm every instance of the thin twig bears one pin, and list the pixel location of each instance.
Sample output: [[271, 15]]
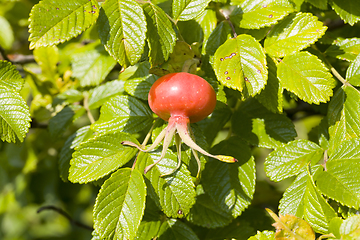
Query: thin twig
[[226, 16], [66, 215], [3, 54], [86, 106]]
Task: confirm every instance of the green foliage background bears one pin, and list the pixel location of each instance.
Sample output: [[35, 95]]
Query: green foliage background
[[74, 78]]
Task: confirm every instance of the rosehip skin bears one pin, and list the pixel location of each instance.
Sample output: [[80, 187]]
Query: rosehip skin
[[182, 94]]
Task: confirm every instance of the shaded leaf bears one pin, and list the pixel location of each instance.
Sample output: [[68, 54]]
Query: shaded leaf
[[177, 230], [122, 29], [218, 36], [64, 118], [272, 95], [100, 156], [123, 113], [257, 14], [240, 64], [231, 185], [260, 127], [120, 205], [292, 34], [307, 77], [6, 34], [57, 21], [67, 150], [321, 4]]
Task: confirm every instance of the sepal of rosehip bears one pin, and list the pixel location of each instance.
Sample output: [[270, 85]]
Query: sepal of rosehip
[[180, 98]]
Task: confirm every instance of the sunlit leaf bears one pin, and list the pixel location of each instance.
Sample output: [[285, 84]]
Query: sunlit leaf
[[353, 72], [160, 34], [341, 180], [349, 11], [257, 14], [47, 58], [292, 34], [14, 116], [265, 235], [122, 29], [288, 161], [100, 156], [10, 77], [307, 77], [290, 226], [57, 21], [120, 205], [103, 93], [91, 64], [123, 113], [350, 228], [345, 49], [240, 64], [183, 10]]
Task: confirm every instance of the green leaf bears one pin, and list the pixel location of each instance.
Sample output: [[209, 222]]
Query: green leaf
[[240, 64], [207, 214], [47, 58], [14, 116], [334, 226], [99, 156], [174, 194], [292, 34], [321, 4], [353, 72], [208, 22], [231, 185], [344, 112], [160, 34], [349, 11], [341, 180], [10, 77], [148, 229], [67, 150], [63, 119], [71, 96], [6, 34], [218, 36], [260, 127], [101, 94], [184, 10], [176, 230], [120, 205], [345, 49], [123, 113], [122, 29], [307, 77], [140, 87], [265, 235], [292, 201], [57, 21], [257, 14], [318, 213], [91, 64], [272, 95], [349, 229], [289, 160]]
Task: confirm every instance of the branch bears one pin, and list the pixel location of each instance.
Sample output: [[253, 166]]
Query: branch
[[66, 215], [226, 16]]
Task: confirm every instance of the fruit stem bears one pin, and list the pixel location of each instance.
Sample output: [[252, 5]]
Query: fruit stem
[[189, 63], [182, 128]]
